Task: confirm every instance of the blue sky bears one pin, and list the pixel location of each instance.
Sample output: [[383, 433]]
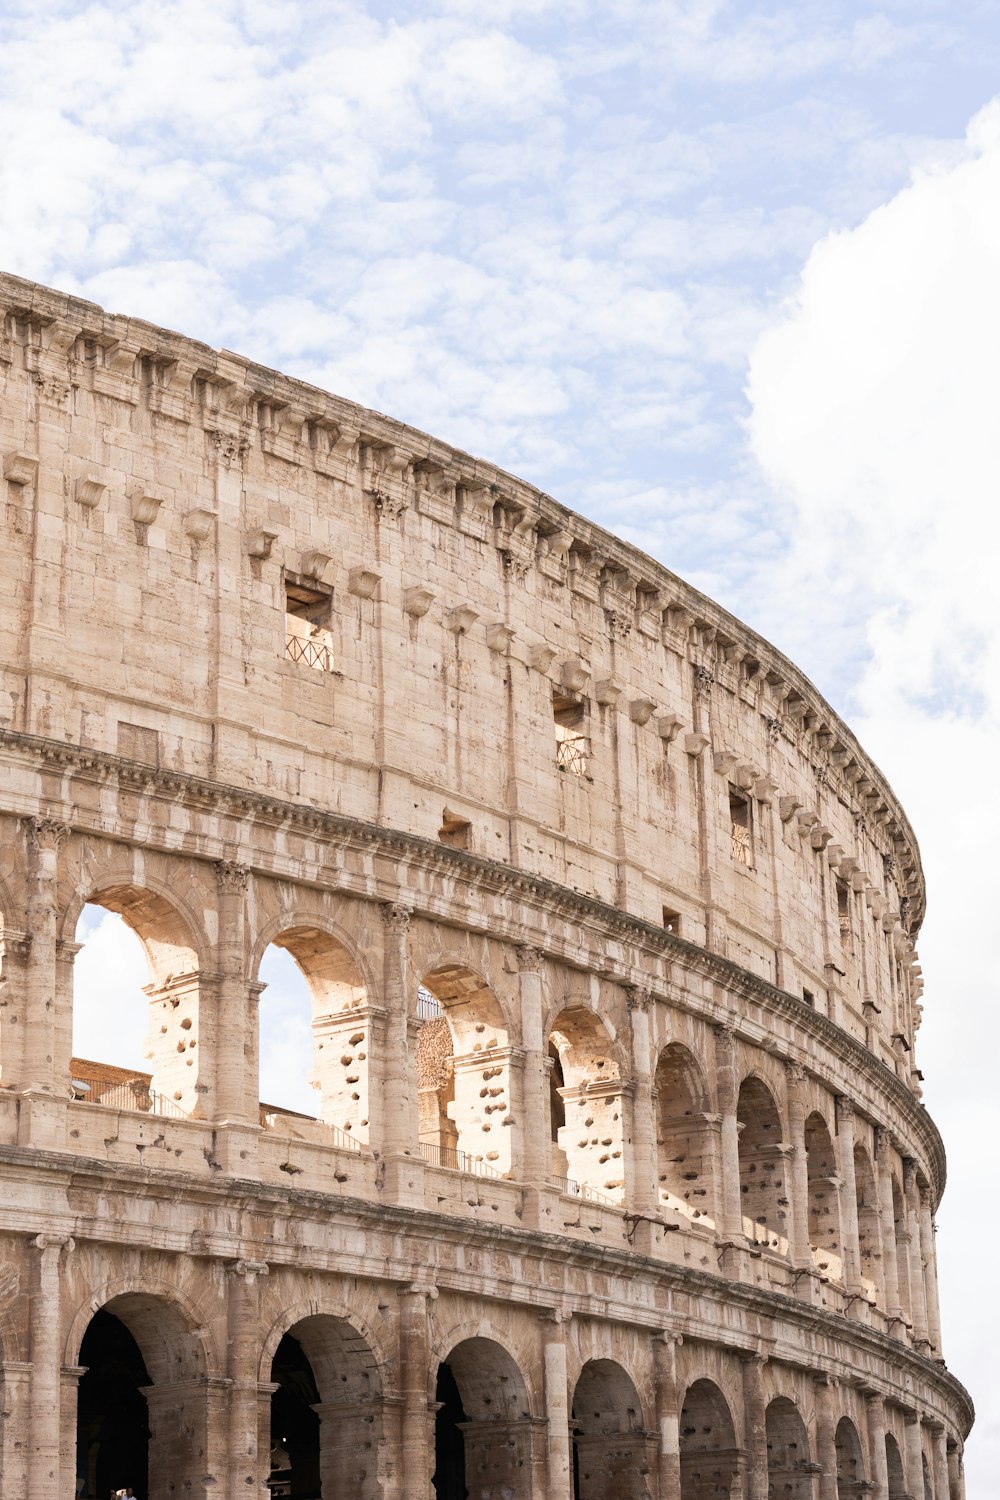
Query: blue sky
[[723, 277]]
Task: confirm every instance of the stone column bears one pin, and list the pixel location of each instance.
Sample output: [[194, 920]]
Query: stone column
[[641, 1182], [668, 1414], [45, 1333], [38, 1063], [918, 1305], [890, 1280], [878, 1468], [826, 1439], [939, 1450], [69, 1390], [755, 1420], [15, 1422], [246, 1467], [13, 1006], [399, 1075], [535, 1153], [849, 1232], [956, 1476], [231, 1083], [558, 1458], [799, 1236], [929, 1257], [725, 1082], [417, 1433], [912, 1453]]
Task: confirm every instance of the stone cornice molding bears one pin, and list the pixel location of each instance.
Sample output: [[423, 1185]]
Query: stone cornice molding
[[225, 394], [493, 878]]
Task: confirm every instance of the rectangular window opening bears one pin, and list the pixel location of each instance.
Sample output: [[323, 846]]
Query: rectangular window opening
[[455, 831], [844, 912], [809, 997], [308, 617], [671, 921], [572, 740], [741, 825]]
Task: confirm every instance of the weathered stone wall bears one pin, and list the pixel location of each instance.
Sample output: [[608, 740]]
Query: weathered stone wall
[[278, 670]]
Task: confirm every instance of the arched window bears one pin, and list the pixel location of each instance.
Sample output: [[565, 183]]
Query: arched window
[[869, 1221], [824, 1204], [591, 1139], [851, 1483], [709, 1456], [609, 1437], [482, 1431], [762, 1167], [463, 1073], [788, 1466]]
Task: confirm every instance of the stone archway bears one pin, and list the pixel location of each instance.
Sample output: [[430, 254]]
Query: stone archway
[[144, 1405], [327, 1434], [762, 1166], [789, 1474], [463, 1072], [682, 1135], [709, 1456], [591, 1139], [611, 1459], [823, 1201], [851, 1483], [483, 1427]]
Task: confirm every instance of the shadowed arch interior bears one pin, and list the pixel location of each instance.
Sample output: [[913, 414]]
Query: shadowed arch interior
[[707, 1444], [851, 1483], [762, 1166], [869, 1221], [483, 1425], [824, 1203], [609, 1439], [788, 1477], [681, 1135]]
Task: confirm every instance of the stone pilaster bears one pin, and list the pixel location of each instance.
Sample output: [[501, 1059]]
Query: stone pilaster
[[849, 1232], [641, 1185], [890, 1278], [39, 1070], [559, 1467], [912, 1453], [799, 1235], [726, 1091], [877, 1466], [928, 1254], [826, 1439], [918, 1304], [247, 1466], [535, 1130], [755, 1420], [667, 1416], [939, 1450], [417, 1420], [45, 1334], [399, 1078]]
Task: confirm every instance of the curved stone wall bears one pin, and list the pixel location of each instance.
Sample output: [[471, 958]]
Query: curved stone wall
[[617, 1181]]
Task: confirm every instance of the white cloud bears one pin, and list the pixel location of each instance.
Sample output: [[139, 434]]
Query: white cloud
[[874, 414]]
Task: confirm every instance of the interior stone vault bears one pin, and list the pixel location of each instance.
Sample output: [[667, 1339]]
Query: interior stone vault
[[611, 1178]]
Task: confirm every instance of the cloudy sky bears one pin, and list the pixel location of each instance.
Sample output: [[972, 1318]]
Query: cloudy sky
[[722, 276]]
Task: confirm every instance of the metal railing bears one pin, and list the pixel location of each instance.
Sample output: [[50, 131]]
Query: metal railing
[[574, 1189], [455, 1161], [136, 1095], [313, 653], [742, 851], [271, 1119], [573, 754]]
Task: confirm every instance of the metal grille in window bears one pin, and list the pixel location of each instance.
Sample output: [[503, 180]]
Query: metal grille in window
[[571, 751], [312, 653]]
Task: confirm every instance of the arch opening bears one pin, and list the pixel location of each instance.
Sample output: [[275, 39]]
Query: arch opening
[[136, 1008], [789, 1471], [483, 1428], [314, 1039], [611, 1458], [589, 1148], [762, 1167], [851, 1483], [894, 1469], [326, 1433], [709, 1457], [682, 1136], [141, 1402], [463, 1073], [824, 1202]]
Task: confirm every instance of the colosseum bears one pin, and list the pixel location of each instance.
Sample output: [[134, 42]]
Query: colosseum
[[616, 1183]]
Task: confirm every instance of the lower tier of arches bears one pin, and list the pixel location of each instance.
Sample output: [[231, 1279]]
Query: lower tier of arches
[[135, 1370]]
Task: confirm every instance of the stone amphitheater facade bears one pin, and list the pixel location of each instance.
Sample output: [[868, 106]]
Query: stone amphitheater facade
[[619, 1185]]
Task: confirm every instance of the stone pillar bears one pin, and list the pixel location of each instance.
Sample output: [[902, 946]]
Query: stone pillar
[[849, 1232], [399, 1075], [918, 1305], [912, 1453], [755, 1421], [956, 1476], [826, 1439], [535, 1152], [668, 1414], [641, 1180], [877, 1466], [939, 1450], [232, 1091], [890, 1279], [350, 1445], [929, 1257], [69, 1388], [799, 1235], [726, 1089], [39, 1072], [558, 1458], [417, 1431], [247, 1466], [13, 1006], [45, 1333], [15, 1422]]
